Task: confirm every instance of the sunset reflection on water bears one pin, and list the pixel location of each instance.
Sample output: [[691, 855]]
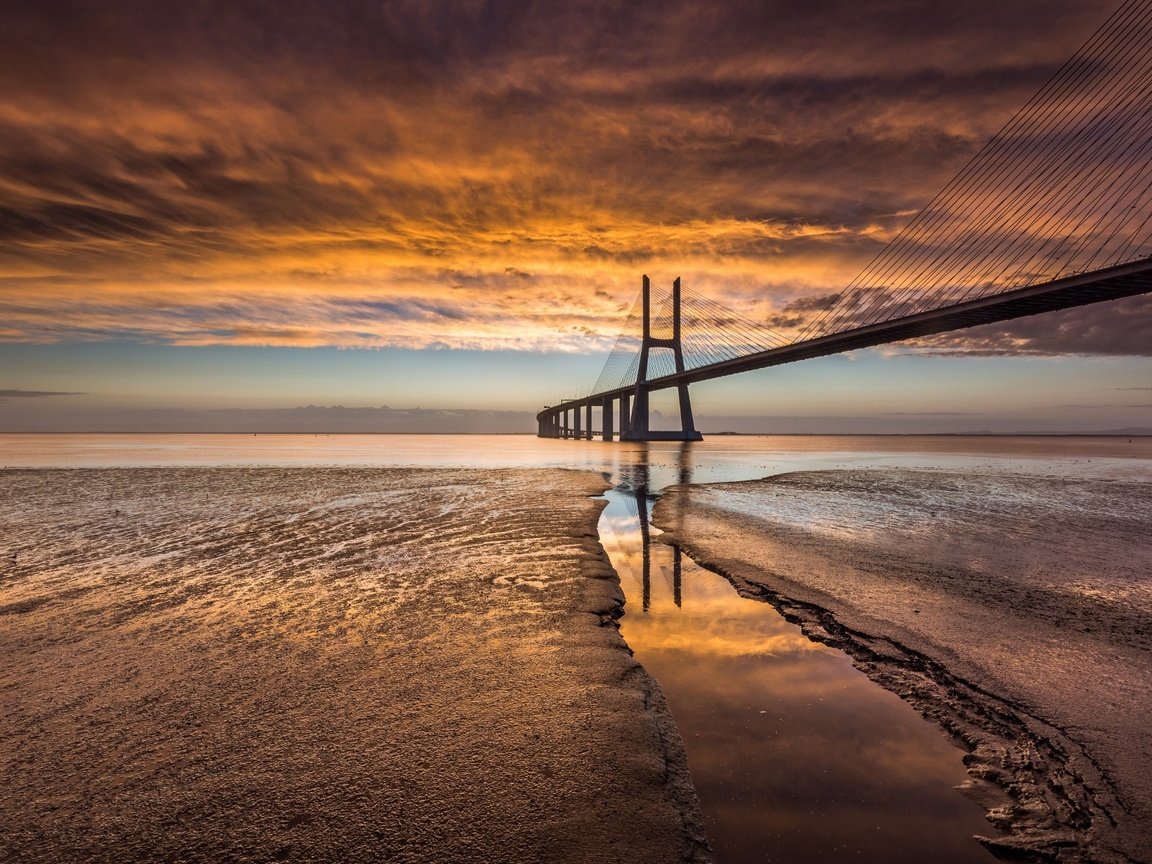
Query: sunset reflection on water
[[796, 755]]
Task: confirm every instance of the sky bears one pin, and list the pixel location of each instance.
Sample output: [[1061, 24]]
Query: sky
[[436, 215]]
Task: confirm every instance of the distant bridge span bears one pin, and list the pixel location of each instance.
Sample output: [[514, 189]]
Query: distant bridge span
[[630, 402], [1124, 281], [1055, 211]]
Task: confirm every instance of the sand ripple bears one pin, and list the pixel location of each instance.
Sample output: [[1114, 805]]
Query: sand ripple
[[322, 664]]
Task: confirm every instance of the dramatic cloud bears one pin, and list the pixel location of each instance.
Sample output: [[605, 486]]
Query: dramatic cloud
[[479, 175]]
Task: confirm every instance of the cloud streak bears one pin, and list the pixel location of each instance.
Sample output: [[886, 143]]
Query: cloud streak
[[35, 394], [300, 420]]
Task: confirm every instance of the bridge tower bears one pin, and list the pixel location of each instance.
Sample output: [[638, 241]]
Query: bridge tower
[[638, 424]]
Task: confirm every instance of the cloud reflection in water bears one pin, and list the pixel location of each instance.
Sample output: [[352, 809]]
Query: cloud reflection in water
[[796, 755]]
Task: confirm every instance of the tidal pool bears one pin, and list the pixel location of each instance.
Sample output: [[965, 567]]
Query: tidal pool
[[796, 755]]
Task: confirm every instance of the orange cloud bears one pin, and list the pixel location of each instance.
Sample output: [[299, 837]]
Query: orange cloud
[[334, 174]]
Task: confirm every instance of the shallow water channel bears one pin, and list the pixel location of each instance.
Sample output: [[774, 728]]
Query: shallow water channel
[[796, 755]]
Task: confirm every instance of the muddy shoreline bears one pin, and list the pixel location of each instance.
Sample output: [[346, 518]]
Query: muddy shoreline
[[310, 664], [1044, 775]]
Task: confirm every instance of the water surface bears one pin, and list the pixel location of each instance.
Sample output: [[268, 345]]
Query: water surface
[[720, 458], [796, 755]]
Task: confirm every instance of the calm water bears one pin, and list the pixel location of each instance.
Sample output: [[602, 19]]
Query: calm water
[[719, 458], [796, 755]]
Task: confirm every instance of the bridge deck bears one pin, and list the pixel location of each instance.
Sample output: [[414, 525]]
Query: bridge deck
[[1082, 289]]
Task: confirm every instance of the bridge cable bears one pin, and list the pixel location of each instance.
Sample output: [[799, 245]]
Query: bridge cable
[[912, 270]]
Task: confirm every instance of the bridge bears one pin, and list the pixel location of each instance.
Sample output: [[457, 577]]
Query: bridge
[[1052, 213]]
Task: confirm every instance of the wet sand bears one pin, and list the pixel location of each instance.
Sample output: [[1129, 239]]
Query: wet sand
[[1016, 611], [357, 664]]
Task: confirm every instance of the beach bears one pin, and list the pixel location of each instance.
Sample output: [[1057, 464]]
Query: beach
[[403, 648], [1012, 609], [318, 664]]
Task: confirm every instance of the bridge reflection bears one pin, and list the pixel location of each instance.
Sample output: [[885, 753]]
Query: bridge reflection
[[791, 749], [638, 479]]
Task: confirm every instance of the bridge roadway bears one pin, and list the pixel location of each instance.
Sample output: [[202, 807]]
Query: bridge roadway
[[1081, 289]]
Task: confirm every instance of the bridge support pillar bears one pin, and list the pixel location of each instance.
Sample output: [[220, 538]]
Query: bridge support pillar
[[638, 427], [564, 420], [638, 424]]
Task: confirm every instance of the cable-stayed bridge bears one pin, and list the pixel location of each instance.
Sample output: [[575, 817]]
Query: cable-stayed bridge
[[1054, 212]]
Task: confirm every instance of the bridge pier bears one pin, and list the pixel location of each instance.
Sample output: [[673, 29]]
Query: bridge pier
[[638, 422], [564, 420], [638, 428]]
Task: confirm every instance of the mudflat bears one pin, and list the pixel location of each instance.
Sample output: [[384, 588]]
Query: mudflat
[[308, 664], [1014, 610]]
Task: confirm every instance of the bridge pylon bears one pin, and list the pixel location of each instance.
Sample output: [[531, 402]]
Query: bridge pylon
[[638, 422]]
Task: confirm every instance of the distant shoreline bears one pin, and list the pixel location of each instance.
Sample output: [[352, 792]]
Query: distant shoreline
[[1136, 433]]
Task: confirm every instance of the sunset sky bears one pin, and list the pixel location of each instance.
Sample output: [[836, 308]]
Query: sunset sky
[[213, 208]]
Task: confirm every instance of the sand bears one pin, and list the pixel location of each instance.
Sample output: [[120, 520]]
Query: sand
[[396, 665], [1014, 610]]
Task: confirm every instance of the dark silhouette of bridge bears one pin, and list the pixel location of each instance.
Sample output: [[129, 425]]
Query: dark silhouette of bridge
[[1053, 213]]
